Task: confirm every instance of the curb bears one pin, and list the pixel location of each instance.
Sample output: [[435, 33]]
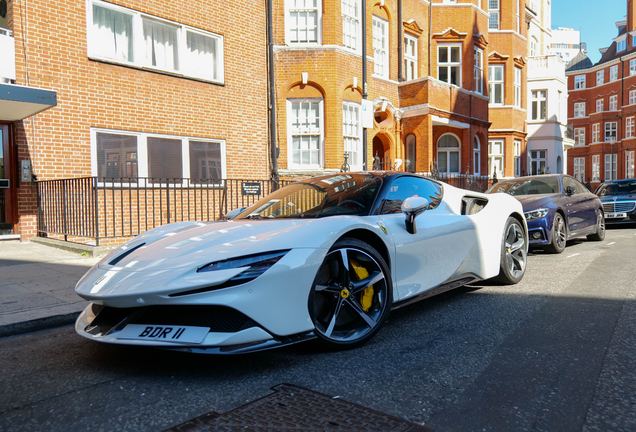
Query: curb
[[38, 324], [78, 248]]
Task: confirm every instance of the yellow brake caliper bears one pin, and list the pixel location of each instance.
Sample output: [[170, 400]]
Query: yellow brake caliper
[[366, 297]]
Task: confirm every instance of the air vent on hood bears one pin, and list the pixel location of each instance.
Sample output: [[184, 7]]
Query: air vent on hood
[[125, 254]]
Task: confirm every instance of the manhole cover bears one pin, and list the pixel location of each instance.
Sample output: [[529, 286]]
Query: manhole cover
[[292, 408]]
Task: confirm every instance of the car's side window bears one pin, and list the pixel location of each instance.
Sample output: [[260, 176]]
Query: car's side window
[[580, 188], [406, 187]]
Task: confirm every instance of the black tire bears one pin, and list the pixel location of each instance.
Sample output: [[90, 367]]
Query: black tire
[[341, 318], [599, 235], [514, 253], [559, 235]]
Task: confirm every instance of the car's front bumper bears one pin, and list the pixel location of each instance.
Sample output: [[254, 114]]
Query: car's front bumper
[[230, 331], [539, 231]]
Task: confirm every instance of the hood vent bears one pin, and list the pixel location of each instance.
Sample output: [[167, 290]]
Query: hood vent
[[124, 254]]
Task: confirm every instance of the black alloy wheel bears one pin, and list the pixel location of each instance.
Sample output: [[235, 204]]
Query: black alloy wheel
[[351, 296]]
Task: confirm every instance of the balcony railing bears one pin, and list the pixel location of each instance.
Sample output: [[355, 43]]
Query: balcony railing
[[7, 54], [546, 66]]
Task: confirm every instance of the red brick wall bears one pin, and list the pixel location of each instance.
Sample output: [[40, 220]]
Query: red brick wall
[[96, 94]]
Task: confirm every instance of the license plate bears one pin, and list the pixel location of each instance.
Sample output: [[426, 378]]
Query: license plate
[[164, 333], [615, 215]]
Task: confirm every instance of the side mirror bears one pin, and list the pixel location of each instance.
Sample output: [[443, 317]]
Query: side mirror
[[569, 191], [412, 207]]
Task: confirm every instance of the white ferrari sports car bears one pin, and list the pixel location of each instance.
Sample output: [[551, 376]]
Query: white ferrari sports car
[[324, 258]]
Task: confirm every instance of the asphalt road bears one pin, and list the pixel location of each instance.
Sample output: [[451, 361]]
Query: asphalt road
[[557, 352]]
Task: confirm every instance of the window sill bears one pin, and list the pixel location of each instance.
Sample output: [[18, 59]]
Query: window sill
[[157, 71]]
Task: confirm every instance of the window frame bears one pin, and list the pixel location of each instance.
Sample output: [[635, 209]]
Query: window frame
[[610, 166], [517, 156], [476, 156], [579, 169], [632, 67], [579, 109], [384, 49], [186, 65], [539, 105], [629, 127], [410, 59], [596, 132], [629, 164], [535, 158], [496, 157], [596, 168], [448, 151], [288, 31], [579, 137], [609, 127], [632, 97], [600, 77], [492, 84], [517, 87], [143, 153], [493, 15], [355, 106], [613, 103], [320, 134], [348, 18], [613, 73], [449, 65], [579, 82], [599, 105]]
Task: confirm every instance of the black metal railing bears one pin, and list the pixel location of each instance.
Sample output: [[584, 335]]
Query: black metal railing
[[125, 207]]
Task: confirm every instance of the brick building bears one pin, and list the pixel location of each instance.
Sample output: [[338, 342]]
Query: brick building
[[143, 89], [602, 109], [428, 85]]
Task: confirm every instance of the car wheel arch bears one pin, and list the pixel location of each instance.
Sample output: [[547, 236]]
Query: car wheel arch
[[373, 240]]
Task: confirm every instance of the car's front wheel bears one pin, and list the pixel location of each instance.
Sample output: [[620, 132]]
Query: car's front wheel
[[351, 295], [514, 253], [559, 235], [599, 235]]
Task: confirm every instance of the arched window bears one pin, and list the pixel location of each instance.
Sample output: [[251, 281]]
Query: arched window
[[410, 159], [448, 154], [476, 156]]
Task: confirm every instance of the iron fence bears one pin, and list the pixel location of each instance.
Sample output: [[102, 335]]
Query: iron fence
[[104, 208], [108, 208]]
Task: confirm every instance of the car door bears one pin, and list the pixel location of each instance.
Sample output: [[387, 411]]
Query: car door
[[579, 207], [436, 251]]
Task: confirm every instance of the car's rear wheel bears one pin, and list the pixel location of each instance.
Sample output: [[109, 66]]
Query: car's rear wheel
[[559, 235], [351, 296], [599, 235], [514, 253]]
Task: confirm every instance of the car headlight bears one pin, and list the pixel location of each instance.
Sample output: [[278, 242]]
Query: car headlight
[[256, 266], [536, 214]]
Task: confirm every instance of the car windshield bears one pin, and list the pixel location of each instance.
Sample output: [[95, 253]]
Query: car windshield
[[612, 189], [345, 194], [527, 186]]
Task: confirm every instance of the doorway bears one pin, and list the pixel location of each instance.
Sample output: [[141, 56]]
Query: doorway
[[7, 183]]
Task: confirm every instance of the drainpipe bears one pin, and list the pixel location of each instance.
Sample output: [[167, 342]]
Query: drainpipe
[[364, 79], [273, 148], [430, 29], [400, 46]]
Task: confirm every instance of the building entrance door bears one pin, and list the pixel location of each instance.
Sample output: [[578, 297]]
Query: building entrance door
[[7, 183]]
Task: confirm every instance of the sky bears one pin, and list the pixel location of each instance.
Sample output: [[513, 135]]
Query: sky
[[595, 19]]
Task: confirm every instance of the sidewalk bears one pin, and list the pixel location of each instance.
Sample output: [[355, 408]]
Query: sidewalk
[[37, 286]]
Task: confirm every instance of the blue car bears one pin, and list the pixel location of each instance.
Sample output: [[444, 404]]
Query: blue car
[[619, 200], [557, 208]]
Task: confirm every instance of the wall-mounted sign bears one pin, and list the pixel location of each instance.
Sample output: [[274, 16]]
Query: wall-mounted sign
[[4, 183], [251, 188]]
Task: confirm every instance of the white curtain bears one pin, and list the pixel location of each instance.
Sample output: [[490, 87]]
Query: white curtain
[[161, 45], [202, 55], [112, 31]]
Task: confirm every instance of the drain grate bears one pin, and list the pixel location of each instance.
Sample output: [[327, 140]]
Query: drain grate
[[292, 408]]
